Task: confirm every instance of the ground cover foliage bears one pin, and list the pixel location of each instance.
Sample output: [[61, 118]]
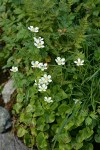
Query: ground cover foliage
[[70, 29]]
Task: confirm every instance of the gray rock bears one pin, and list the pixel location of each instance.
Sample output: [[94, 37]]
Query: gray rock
[[8, 90], [10, 142], [5, 120]]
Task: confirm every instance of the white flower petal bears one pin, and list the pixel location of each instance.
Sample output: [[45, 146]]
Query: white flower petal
[[42, 87], [79, 62], [63, 59], [60, 61], [58, 58], [48, 99], [75, 62], [32, 62], [33, 29], [82, 61], [14, 69], [79, 59]]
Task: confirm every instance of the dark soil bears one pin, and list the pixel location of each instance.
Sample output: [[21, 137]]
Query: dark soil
[[96, 146]]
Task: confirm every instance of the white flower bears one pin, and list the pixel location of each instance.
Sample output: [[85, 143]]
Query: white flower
[[79, 62], [48, 99], [42, 87], [77, 101], [33, 29], [35, 64], [14, 69], [46, 79], [43, 66], [38, 42], [60, 61], [43, 82], [39, 45], [40, 82]]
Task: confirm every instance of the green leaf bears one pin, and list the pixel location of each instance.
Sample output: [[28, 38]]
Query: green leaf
[[93, 115], [29, 139], [20, 97], [30, 108], [49, 117], [33, 131], [88, 121], [41, 140], [2, 8], [87, 146], [22, 34], [64, 138], [17, 11], [21, 132], [96, 13], [84, 134], [69, 125], [63, 109], [60, 95], [80, 120], [26, 117], [78, 145], [97, 138], [17, 107], [40, 123], [38, 111], [54, 106]]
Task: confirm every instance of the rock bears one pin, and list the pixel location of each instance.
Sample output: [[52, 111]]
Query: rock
[[8, 90], [10, 142], [5, 120]]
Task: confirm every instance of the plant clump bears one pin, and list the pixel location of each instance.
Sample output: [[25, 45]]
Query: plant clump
[[52, 53]]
